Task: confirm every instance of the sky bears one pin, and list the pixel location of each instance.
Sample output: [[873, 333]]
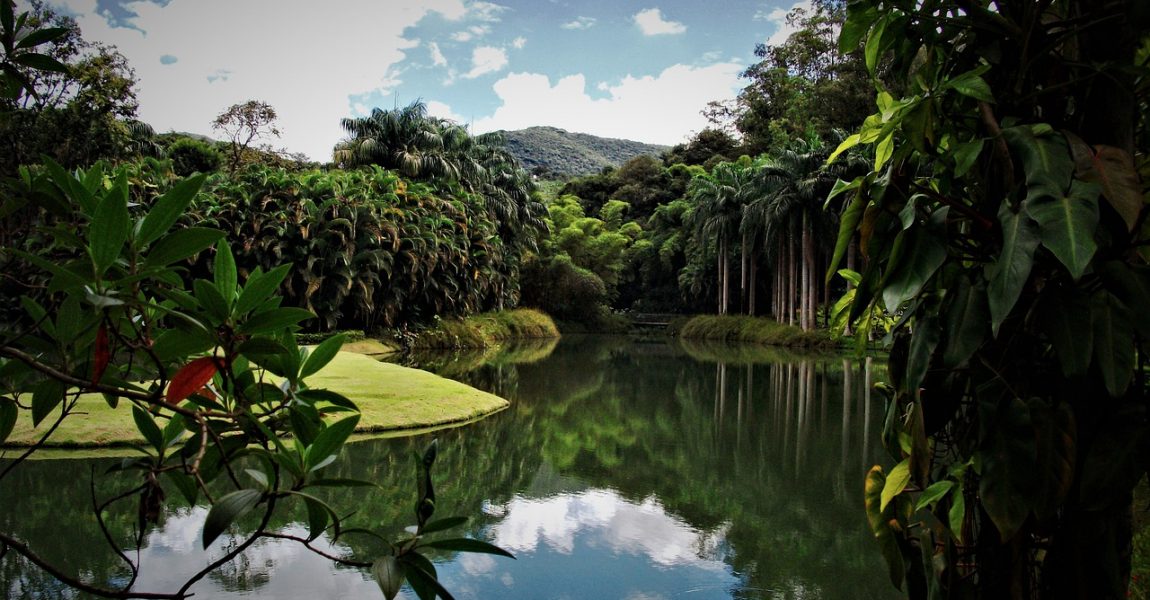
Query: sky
[[633, 70]]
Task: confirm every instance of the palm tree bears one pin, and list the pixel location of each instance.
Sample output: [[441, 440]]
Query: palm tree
[[719, 199]]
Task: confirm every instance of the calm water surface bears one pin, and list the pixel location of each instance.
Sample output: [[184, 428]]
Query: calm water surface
[[622, 470]]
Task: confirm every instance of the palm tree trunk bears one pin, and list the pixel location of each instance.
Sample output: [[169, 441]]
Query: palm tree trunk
[[792, 269], [751, 296], [719, 270], [744, 258]]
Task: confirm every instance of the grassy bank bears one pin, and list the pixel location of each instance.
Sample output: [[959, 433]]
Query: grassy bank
[[390, 398], [487, 329], [755, 330]]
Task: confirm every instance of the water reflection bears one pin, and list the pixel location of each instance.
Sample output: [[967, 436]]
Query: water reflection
[[622, 470]]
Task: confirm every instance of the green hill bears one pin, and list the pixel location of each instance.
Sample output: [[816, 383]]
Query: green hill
[[554, 152]]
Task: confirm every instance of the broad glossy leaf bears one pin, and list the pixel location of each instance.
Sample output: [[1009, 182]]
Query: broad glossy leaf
[[1008, 481], [190, 379], [880, 524], [389, 573], [1113, 342], [186, 485], [213, 302], [46, 396], [8, 416], [965, 321], [849, 222], [317, 517], [443, 524], [957, 514], [167, 209], [850, 142], [322, 355], [224, 273], [972, 84], [1066, 224], [330, 440], [933, 493], [226, 510], [895, 483], [1009, 273], [875, 43], [468, 545], [274, 320], [41, 36], [109, 230], [40, 62], [147, 427], [422, 577], [181, 244], [858, 22], [1046, 160], [1113, 169], [259, 287], [1131, 285], [923, 253], [923, 342], [965, 156], [101, 354], [1067, 319]]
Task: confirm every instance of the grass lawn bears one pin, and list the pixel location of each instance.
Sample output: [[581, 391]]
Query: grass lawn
[[390, 397]]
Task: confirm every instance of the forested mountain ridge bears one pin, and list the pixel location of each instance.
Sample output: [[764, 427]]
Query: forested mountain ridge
[[553, 151]]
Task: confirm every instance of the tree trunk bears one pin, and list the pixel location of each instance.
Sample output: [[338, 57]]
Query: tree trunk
[[745, 259]]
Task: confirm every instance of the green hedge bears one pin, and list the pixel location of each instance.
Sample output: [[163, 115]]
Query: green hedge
[[758, 330], [487, 329]]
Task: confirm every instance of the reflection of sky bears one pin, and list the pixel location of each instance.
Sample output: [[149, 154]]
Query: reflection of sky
[[589, 544]]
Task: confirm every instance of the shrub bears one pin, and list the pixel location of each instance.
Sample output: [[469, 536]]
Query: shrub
[[193, 156]]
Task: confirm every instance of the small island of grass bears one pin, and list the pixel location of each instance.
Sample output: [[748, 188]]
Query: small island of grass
[[391, 398]]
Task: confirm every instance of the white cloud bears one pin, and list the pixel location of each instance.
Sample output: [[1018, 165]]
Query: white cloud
[[662, 109], [651, 22], [293, 57], [580, 23], [436, 108], [519, 42], [778, 17], [486, 59], [486, 11], [462, 36], [437, 57]]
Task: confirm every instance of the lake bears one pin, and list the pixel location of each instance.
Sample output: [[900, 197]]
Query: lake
[[624, 469]]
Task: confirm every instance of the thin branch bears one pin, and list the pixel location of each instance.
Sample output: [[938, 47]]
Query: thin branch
[[22, 549], [226, 558], [99, 509], [306, 544]]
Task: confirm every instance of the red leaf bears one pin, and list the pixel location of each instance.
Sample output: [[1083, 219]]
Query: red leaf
[[102, 354], [191, 379]]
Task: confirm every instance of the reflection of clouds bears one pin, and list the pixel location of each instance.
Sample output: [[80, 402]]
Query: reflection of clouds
[[278, 569], [476, 564], [605, 520]]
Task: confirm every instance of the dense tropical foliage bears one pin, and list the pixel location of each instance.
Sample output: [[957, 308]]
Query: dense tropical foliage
[[1005, 221]]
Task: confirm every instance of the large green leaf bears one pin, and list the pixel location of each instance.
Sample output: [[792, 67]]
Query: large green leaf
[[1131, 285], [147, 427], [224, 273], [923, 252], [329, 441], [181, 244], [45, 397], [965, 321], [389, 573], [167, 210], [895, 483], [1113, 169], [1113, 342], [226, 510], [274, 320], [8, 414], [1066, 224], [880, 524], [109, 229], [972, 84], [1009, 273], [1067, 319], [322, 355], [1008, 456], [468, 545], [1046, 160], [923, 342], [259, 287]]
